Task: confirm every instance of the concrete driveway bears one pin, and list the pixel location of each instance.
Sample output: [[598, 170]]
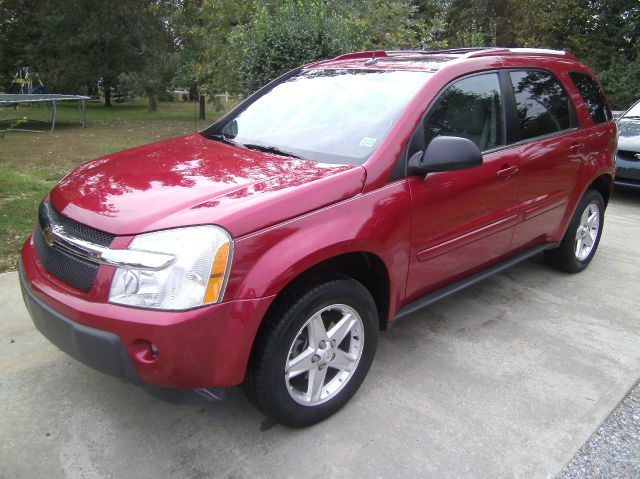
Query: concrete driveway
[[506, 379]]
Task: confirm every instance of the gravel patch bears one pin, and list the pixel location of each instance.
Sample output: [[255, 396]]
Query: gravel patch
[[614, 449]]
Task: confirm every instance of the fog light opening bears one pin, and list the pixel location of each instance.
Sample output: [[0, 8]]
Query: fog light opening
[[145, 351]]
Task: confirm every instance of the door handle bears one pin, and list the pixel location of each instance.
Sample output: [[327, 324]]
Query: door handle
[[507, 171], [577, 147]]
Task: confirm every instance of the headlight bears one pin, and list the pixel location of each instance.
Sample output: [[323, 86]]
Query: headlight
[[196, 277]]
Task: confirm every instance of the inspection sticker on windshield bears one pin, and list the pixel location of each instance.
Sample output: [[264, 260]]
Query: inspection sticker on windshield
[[368, 142]]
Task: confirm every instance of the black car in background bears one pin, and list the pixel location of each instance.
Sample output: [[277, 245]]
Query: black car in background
[[628, 156]]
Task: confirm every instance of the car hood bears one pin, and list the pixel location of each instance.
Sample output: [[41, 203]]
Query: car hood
[[629, 131], [192, 180]]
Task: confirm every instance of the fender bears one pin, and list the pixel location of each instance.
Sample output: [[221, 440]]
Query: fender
[[598, 165], [268, 260]]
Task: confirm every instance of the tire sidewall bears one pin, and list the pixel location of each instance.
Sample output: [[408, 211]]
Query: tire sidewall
[[590, 197], [282, 405]]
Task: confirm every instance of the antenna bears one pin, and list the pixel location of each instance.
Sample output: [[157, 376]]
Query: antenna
[[371, 60]]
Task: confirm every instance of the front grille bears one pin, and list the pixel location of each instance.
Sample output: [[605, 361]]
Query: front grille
[[628, 155], [73, 228], [76, 272]]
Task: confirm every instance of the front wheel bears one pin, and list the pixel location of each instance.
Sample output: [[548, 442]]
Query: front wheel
[[581, 240], [314, 352]]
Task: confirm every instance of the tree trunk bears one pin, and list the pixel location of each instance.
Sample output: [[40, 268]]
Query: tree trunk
[[153, 102], [505, 35], [107, 95], [92, 90], [202, 105], [193, 93]]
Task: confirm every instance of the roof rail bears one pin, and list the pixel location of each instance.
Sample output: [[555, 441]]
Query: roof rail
[[517, 51], [452, 51], [366, 54], [467, 52], [387, 53]]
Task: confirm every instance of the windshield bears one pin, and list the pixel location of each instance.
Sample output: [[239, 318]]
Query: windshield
[[328, 116], [633, 111]]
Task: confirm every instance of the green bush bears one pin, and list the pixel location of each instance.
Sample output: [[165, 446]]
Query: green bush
[[15, 124], [282, 36], [622, 82]]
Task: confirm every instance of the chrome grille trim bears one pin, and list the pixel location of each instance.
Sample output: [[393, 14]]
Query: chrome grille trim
[[56, 236]]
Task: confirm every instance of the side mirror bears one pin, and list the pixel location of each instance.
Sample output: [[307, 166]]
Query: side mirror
[[445, 153]]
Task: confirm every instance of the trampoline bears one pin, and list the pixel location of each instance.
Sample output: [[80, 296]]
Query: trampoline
[[12, 100]]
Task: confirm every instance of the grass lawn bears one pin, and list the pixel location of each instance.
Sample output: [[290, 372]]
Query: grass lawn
[[32, 163]]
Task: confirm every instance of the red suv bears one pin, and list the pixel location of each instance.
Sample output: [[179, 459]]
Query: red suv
[[270, 249]]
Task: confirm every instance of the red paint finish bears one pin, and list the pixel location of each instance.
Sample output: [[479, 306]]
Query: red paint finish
[[549, 171], [287, 215], [461, 220], [191, 180], [376, 223], [204, 346]]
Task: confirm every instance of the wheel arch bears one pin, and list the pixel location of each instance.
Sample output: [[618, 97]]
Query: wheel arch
[[603, 184], [365, 267]]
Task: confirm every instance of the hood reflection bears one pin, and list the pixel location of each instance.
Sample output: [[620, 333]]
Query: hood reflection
[[190, 172]]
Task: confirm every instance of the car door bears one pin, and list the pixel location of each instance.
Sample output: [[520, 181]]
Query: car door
[[552, 149], [463, 220]]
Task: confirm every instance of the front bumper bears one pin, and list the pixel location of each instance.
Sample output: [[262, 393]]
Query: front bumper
[[98, 349], [200, 348]]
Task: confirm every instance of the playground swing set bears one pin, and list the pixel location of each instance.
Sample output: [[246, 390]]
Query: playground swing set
[[27, 88]]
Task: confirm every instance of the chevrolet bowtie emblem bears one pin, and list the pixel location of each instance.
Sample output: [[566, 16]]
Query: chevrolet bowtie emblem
[[47, 232]]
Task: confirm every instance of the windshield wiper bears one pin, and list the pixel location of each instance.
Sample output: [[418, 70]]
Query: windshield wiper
[[251, 146], [270, 149]]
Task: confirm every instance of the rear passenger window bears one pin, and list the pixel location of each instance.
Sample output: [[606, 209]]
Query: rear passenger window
[[470, 108], [592, 96], [542, 104]]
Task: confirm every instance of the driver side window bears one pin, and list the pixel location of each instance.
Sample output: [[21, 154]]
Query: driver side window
[[470, 108]]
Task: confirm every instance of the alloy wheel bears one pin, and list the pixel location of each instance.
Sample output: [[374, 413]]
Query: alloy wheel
[[587, 232], [324, 354]]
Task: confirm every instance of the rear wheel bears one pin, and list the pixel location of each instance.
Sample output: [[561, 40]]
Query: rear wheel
[[314, 352], [581, 240]]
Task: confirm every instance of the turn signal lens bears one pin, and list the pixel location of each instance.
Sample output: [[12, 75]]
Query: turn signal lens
[[216, 278]]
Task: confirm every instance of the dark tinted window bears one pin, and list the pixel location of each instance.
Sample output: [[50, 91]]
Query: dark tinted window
[[592, 96], [542, 104], [470, 108]]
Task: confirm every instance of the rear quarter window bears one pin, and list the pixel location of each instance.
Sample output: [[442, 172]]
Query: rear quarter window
[[592, 96], [542, 104]]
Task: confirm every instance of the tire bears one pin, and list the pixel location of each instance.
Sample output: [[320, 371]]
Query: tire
[[582, 238], [301, 370]]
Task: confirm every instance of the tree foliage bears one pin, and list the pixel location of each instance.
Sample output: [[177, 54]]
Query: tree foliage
[[603, 34], [212, 46], [282, 35], [387, 25], [203, 31], [156, 50], [80, 43]]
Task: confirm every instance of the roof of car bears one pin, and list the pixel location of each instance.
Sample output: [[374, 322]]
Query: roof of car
[[427, 60]]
